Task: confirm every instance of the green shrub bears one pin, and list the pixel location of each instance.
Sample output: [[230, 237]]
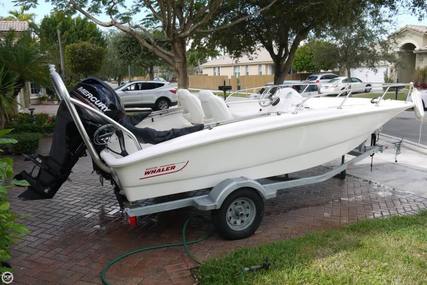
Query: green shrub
[[9, 229], [39, 123], [26, 142]]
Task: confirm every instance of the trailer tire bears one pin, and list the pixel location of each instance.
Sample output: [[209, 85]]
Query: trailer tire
[[240, 214]]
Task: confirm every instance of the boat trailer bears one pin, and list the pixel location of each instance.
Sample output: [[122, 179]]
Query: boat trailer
[[237, 204]]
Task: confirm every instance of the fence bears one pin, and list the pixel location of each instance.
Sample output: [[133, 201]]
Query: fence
[[242, 82]]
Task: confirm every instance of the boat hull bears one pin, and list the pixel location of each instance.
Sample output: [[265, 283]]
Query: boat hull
[[255, 149]]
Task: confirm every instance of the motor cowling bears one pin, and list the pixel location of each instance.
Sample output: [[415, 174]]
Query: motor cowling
[[99, 95]]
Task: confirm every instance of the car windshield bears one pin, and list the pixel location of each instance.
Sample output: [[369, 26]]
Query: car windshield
[[312, 77], [120, 86], [334, 80]]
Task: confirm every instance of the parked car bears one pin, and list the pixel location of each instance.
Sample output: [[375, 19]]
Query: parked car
[[321, 78], [304, 88], [338, 84], [158, 95]]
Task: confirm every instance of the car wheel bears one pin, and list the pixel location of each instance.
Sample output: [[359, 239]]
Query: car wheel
[[424, 106], [162, 104], [368, 88]]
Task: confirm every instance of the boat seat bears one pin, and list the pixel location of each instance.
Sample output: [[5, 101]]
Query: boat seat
[[214, 107], [191, 105]]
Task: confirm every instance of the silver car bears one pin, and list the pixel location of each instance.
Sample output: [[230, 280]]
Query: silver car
[[158, 95], [339, 84], [320, 78]]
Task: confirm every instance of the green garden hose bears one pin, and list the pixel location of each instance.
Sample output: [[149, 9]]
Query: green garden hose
[[185, 243]]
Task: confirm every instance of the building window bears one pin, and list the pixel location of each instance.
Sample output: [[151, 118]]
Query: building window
[[35, 88], [219, 70], [270, 68], [214, 70], [247, 69], [237, 71], [259, 69]]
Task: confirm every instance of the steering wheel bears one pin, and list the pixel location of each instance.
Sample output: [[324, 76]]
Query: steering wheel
[[103, 134], [268, 98]]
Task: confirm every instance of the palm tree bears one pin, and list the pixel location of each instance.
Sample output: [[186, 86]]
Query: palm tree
[[22, 57], [22, 15], [7, 100]]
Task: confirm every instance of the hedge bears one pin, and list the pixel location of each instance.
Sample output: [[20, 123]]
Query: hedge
[[27, 143], [39, 123]]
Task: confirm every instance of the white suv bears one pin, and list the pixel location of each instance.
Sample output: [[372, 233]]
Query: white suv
[[158, 95]]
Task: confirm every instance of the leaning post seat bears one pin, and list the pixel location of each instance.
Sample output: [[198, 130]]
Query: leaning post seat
[[214, 107], [191, 105]]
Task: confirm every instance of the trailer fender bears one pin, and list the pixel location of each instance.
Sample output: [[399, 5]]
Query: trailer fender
[[221, 191]]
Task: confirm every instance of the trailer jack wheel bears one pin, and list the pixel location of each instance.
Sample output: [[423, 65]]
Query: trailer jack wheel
[[240, 215]]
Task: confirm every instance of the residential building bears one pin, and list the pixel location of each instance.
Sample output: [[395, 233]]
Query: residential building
[[410, 44], [259, 63], [17, 26]]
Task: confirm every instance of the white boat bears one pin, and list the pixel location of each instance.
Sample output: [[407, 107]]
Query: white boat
[[252, 141], [242, 141]]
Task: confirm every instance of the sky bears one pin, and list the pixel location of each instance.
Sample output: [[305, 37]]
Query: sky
[[405, 18]]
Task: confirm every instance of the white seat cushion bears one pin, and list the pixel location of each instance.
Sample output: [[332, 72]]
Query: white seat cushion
[[214, 107], [191, 105]]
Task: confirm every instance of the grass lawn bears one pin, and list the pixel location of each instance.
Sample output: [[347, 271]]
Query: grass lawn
[[390, 95], [379, 251]]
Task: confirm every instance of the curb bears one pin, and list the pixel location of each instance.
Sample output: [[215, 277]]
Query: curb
[[421, 148]]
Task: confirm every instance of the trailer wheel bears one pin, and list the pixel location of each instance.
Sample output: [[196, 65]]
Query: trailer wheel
[[240, 215]]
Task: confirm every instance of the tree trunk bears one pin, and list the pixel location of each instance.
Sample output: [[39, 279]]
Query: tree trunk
[[348, 71], [179, 50], [27, 94], [151, 72], [279, 72]]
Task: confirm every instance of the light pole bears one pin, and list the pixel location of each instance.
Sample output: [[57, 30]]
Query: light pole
[[61, 53]]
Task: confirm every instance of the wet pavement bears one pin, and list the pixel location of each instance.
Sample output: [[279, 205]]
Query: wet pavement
[[74, 234]]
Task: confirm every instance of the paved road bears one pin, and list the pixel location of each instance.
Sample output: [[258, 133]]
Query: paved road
[[407, 126]]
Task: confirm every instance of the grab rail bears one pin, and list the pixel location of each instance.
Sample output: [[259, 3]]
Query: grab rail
[[268, 87], [63, 94], [300, 106], [411, 87], [348, 90]]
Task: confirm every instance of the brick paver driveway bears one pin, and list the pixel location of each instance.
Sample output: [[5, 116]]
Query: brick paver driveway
[[76, 233]]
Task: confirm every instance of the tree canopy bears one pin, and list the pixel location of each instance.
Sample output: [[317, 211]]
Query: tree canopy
[[178, 21], [315, 56], [72, 30], [281, 29], [84, 58], [360, 44]]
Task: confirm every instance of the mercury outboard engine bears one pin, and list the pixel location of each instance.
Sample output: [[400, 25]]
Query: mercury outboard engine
[[68, 146]]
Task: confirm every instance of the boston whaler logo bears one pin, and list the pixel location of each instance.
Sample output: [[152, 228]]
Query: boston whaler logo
[[93, 99], [164, 169]]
